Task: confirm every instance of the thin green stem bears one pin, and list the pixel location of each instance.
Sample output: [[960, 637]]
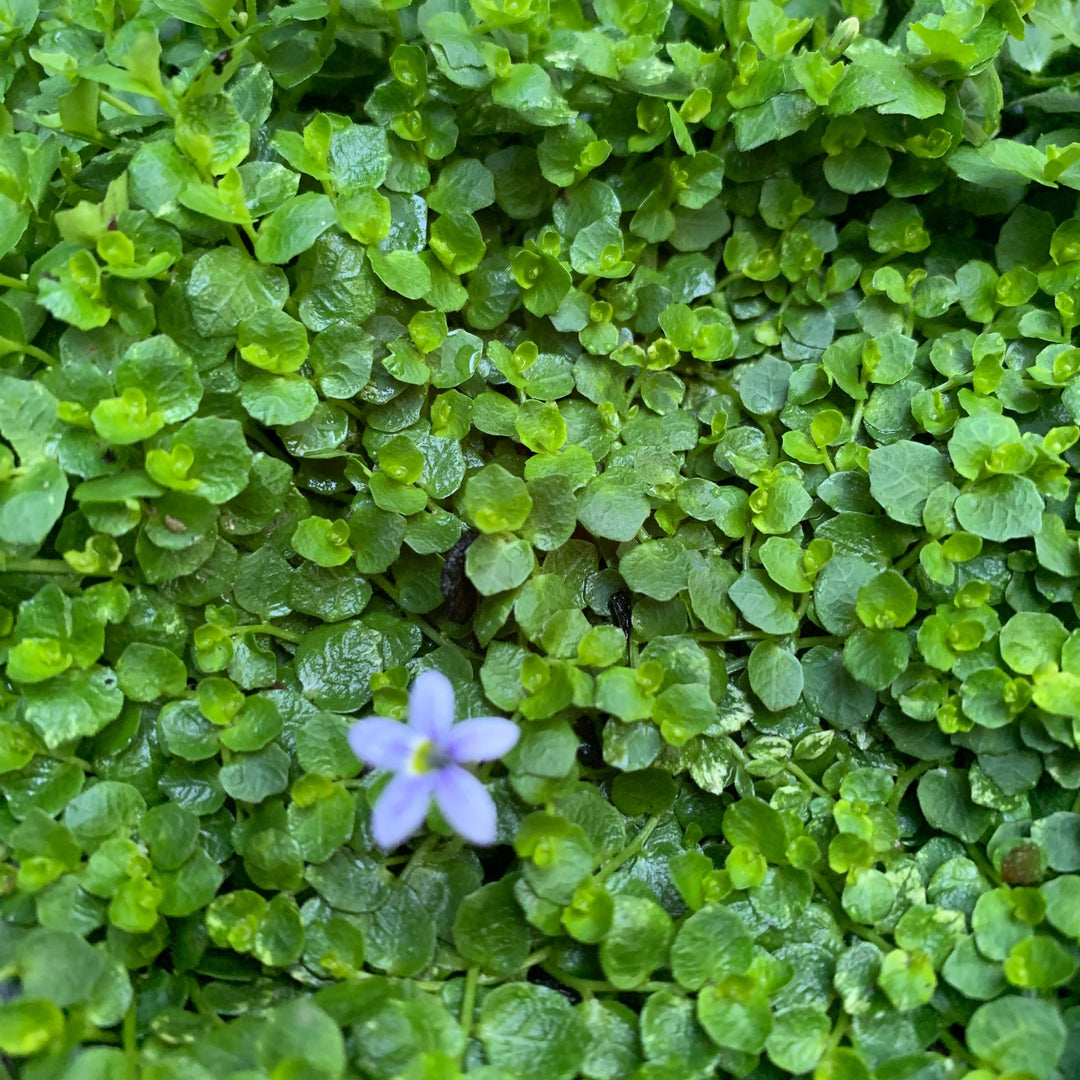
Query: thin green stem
[[957, 1049], [234, 237], [352, 410], [771, 441], [57, 566], [839, 1031], [830, 893], [92, 139], [468, 1002], [904, 781], [450, 852], [538, 957], [866, 934], [741, 635], [629, 851], [258, 436], [268, 628], [386, 585], [747, 540], [38, 566], [426, 628], [419, 854], [131, 1045], [587, 987], [632, 389], [911, 557], [979, 859], [808, 780], [15, 283], [329, 32], [228, 29], [117, 103], [842, 918], [856, 419], [250, 38], [38, 354]]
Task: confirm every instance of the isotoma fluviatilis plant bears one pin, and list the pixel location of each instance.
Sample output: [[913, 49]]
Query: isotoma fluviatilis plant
[[693, 384]]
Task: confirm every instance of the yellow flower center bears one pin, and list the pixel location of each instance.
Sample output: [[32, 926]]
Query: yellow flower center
[[427, 757]]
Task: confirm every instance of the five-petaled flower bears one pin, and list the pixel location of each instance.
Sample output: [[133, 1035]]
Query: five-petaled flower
[[426, 756]]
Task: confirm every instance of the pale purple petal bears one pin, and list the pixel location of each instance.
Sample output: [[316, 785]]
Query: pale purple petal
[[468, 808], [431, 705], [401, 808], [482, 738], [386, 744]]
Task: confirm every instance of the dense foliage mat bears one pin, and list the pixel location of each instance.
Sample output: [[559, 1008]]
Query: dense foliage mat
[[691, 383]]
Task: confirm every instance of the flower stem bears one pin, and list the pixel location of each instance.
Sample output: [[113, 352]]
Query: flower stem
[[418, 855]]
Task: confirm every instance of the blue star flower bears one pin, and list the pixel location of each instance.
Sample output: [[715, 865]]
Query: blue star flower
[[427, 754]]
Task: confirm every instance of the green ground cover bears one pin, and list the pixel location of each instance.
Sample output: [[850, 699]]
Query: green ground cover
[[692, 384]]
